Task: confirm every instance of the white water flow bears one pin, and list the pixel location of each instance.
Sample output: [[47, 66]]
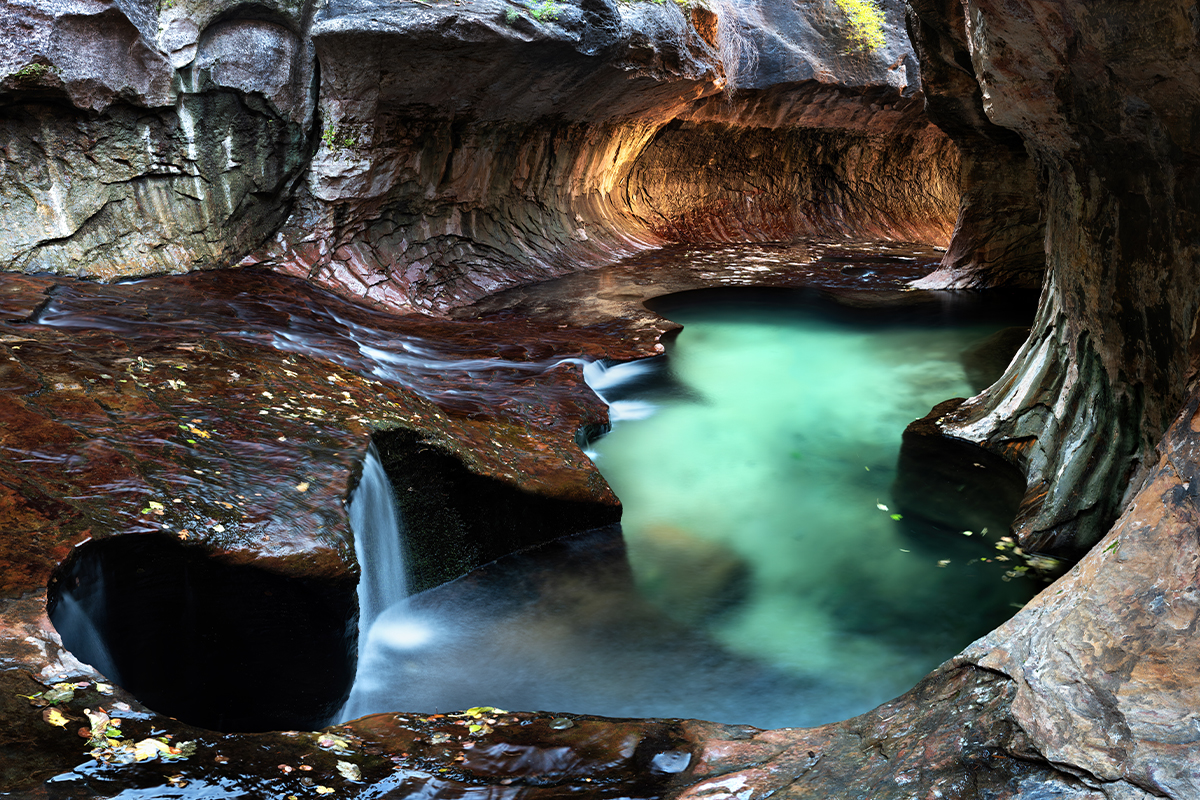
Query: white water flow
[[604, 378], [378, 531], [78, 617], [378, 545]]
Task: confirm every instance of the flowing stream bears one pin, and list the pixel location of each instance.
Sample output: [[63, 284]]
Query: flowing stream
[[764, 575]]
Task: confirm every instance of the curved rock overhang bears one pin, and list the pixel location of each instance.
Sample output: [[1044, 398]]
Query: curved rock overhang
[[1087, 693], [425, 155], [559, 147]]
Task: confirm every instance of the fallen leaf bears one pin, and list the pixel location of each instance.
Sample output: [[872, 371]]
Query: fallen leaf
[[99, 724], [59, 693], [55, 717], [149, 748], [349, 771], [302, 486], [324, 790], [331, 741], [479, 711]]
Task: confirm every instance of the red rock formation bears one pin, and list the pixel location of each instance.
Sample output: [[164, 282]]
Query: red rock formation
[[569, 145], [1101, 99], [998, 239]]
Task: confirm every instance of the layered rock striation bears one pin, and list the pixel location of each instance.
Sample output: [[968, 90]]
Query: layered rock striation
[[998, 238], [422, 155], [1101, 99], [604, 132], [140, 141]]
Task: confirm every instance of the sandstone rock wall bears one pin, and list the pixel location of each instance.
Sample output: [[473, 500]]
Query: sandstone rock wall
[[138, 140], [998, 239], [1104, 99], [562, 145], [421, 155]]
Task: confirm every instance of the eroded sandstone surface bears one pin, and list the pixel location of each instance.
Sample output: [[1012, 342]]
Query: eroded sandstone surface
[[423, 156], [577, 135]]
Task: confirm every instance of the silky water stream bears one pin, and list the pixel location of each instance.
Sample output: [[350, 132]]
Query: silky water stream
[[764, 574]]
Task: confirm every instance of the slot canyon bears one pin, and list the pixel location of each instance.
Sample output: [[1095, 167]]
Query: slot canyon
[[266, 262]]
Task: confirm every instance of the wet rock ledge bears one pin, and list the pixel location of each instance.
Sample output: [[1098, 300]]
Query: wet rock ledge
[[141, 372]]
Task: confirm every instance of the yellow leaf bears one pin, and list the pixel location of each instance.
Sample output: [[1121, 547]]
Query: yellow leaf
[[479, 711], [302, 486], [55, 717], [324, 790], [149, 748], [99, 722]]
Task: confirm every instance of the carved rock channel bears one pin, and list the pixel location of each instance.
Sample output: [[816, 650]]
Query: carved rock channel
[[424, 156]]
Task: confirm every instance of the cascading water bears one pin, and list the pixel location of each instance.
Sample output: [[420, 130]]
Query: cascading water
[[606, 380], [79, 616], [382, 587], [378, 531], [687, 611]]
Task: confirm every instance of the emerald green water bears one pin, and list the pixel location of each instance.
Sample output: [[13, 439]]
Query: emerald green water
[[758, 576], [758, 503]]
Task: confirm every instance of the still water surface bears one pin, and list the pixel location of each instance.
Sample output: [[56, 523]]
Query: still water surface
[[763, 576]]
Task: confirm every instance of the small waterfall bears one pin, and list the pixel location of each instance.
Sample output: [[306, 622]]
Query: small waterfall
[[382, 585], [376, 523], [80, 615], [606, 379]]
